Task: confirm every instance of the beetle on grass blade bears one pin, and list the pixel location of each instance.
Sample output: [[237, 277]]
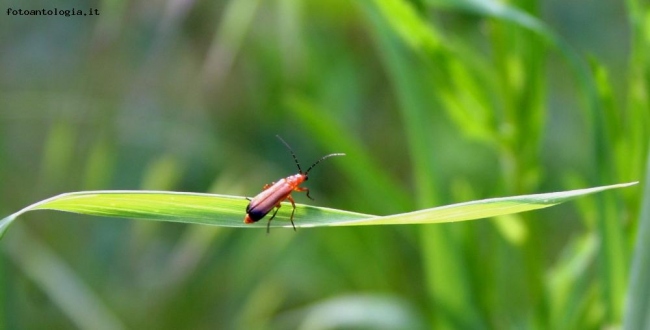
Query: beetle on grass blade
[[275, 193]]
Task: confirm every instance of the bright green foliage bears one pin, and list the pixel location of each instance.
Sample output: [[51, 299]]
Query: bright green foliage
[[435, 102]]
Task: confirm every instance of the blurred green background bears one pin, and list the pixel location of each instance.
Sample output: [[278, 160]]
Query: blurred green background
[[434, 102]]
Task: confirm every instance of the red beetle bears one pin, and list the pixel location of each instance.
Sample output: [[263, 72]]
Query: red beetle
[[275, 193]]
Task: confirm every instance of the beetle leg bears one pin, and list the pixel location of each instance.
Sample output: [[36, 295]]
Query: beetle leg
[[268, 185], [268, 224], [293, 204], [301, 189]]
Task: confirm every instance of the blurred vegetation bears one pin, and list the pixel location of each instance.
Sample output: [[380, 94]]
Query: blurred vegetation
[[434, 102]]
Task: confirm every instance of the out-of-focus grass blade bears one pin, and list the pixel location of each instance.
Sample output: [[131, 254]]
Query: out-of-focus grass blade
[[638, 291], [75, 298], [499, 10], [228, 211]]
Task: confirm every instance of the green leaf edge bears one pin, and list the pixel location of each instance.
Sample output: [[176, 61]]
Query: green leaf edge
[[228, 211]]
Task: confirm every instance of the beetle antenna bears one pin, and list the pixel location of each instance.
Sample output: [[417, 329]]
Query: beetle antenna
[[292, 154], [318, 161]]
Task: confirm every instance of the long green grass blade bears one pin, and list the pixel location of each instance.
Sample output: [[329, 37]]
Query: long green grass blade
[[485, 208], [228, 211]]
